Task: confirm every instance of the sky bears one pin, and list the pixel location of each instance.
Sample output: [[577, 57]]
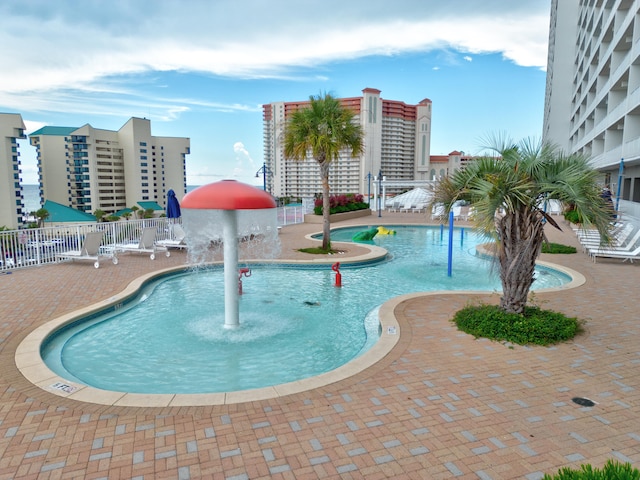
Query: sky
[[203, 69]]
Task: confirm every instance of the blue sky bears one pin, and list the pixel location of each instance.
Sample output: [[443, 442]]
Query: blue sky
[[203, 69]]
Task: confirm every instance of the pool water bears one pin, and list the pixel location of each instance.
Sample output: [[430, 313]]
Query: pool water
[[294, 322]]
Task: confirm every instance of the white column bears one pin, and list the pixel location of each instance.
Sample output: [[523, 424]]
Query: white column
[[384, 192], [231, 296], [375, 193]]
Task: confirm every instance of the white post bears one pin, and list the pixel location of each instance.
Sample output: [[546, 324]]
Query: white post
[[384, 191], [375, 193], [231, 295]]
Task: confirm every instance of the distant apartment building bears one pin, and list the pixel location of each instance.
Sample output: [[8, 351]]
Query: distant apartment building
[[444, 165], [93, 169], [11, 201], [397, 143], [592, 103]]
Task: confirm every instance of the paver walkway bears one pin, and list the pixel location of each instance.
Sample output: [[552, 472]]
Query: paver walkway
[[441, 405]]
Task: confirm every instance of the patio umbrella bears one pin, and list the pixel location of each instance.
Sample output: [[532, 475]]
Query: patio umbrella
[[173, 206]]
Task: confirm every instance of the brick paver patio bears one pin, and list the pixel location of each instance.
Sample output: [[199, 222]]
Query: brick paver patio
[[441, 405]]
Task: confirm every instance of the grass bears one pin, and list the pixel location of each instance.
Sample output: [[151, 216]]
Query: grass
[[319, 251], [534, 326], [557, 248]]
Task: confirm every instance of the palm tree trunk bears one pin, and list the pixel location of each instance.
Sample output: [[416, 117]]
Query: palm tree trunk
[[326, 206], [521, 237]]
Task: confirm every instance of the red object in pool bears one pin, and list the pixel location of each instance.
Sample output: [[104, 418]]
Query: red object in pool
[[228, 195]]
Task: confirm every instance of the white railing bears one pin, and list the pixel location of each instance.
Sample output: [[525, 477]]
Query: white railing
[[39, 246], [290, 215]]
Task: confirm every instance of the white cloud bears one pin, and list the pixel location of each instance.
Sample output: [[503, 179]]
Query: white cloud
[[50, 49], [244, 163], [468, 58]]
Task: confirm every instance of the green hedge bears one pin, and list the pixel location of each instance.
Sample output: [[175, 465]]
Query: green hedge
[[611, 471]]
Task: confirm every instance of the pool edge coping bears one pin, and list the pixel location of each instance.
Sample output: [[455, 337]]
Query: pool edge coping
[[32, 367]]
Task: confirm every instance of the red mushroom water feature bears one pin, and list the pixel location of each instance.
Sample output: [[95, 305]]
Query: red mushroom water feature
[[241, 211]]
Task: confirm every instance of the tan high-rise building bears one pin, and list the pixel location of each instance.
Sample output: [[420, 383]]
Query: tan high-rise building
[[11, 201], [592, 103], [93, 169], [397, 142]]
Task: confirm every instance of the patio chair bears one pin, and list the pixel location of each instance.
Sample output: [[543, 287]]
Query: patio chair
[[178, 239], [89, 250], [437, 212], [619, 238], [419, 208], [628, 251], [625, 254], [407, 207], [146, 244], [395, 207]]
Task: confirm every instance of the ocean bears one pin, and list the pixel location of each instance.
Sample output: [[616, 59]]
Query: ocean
[[31, 194]]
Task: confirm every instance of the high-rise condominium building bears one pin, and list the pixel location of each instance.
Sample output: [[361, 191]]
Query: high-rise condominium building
[[93, 169], [592, 103], [397, 143], [11, 205]]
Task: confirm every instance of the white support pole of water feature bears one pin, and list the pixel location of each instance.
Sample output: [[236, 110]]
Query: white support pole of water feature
[[231, 296]]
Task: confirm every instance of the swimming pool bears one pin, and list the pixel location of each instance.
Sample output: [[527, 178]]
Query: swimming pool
[[294, 322]]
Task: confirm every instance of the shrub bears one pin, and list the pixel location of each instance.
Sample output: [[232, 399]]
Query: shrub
[[611, 471], [557, 248], [341, 203], [572, 216], [534, 326]]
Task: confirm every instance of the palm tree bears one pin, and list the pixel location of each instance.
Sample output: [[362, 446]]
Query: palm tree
[[508, 192], [42, 214], [99, 214], [323, 130]]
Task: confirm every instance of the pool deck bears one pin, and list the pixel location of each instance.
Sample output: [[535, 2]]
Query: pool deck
[[440, 405]]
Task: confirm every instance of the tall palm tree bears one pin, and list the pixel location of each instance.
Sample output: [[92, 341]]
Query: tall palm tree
[[508, 192], [323, 130]]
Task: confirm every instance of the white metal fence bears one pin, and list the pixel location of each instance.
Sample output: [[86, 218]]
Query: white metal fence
[[39, 246]]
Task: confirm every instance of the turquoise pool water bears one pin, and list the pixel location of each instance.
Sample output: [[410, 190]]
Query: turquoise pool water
[[294, 322]]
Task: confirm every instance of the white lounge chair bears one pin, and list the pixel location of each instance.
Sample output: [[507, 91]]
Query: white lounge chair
[[395, 207], [623, 253], [619, 238], [89, 250], [407, 207], [147, 244], [177, 240], [419, 208], [591, 233], [471, 213], [437, 212]]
